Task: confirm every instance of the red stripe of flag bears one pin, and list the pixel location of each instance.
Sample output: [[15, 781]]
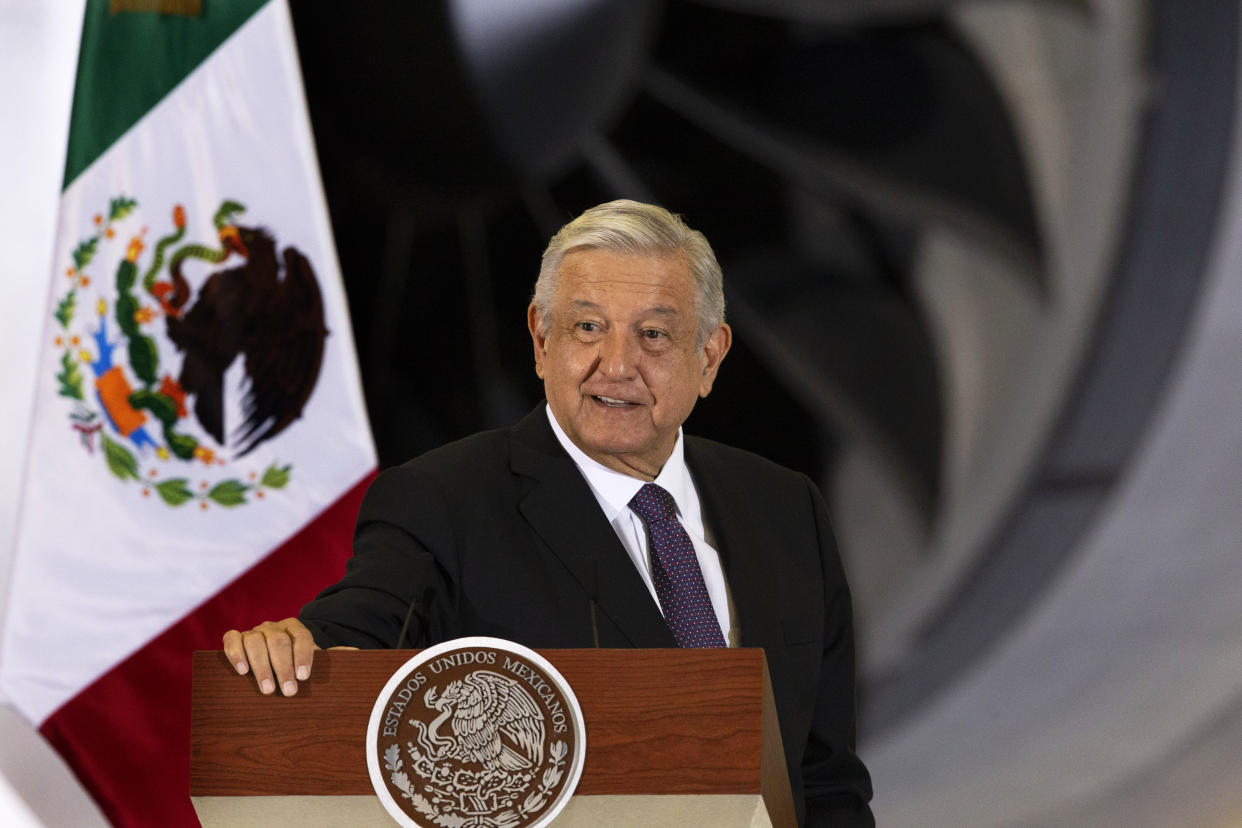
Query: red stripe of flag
[[127, 735]]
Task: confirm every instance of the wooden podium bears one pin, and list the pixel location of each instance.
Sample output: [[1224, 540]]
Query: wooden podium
[[674, 737]]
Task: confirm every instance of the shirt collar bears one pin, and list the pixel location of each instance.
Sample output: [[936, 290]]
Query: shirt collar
[[614, 490]]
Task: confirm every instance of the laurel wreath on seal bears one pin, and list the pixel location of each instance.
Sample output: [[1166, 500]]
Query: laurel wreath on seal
[[161, 398], [553, 772]]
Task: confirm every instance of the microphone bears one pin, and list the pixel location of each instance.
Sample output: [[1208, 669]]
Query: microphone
[[592, 585], [424, 601]]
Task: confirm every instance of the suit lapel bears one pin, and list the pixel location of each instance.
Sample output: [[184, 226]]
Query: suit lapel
[[562, 510], [752, 581]]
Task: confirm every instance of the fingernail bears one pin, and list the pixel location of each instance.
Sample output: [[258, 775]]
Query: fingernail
[[289, 687], [242, 667], [267, 686], [303, 673]]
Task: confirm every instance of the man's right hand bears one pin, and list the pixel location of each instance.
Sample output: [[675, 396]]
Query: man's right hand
[[278, 653]]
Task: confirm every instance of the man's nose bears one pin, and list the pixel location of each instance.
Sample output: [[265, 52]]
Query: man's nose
[[618, 356]]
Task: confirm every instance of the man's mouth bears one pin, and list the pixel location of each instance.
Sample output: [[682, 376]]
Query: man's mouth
[[611, 402]]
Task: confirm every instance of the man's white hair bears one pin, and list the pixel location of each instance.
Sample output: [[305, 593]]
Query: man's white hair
[[632, 227]]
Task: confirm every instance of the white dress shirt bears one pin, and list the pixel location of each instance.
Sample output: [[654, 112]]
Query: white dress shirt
[[614, 491]]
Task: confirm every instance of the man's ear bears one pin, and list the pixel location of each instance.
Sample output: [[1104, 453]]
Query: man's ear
[[538, 336], [714, 350]]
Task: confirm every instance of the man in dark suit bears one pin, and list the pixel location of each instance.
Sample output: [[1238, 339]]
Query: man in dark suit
[[595, 517]]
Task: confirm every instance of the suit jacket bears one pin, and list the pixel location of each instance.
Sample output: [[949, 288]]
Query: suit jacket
[[500, 535]]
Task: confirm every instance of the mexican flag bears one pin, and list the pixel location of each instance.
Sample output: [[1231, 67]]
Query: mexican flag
[[199, 443]]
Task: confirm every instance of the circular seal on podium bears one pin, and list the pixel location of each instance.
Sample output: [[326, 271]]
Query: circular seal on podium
[[475, 733]]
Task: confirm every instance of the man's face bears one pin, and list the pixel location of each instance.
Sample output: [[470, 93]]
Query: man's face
[[620, 363]]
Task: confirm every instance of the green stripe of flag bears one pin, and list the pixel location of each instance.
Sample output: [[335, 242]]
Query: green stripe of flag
[[130, 61]]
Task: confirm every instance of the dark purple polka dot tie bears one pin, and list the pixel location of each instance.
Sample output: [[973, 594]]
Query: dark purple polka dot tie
[[675, 570]]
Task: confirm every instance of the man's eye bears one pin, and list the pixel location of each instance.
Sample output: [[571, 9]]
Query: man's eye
[[588, 327], [652, 333]]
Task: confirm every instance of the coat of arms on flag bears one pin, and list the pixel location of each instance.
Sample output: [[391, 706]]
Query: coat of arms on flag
[[128, 300], [199, 443]]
